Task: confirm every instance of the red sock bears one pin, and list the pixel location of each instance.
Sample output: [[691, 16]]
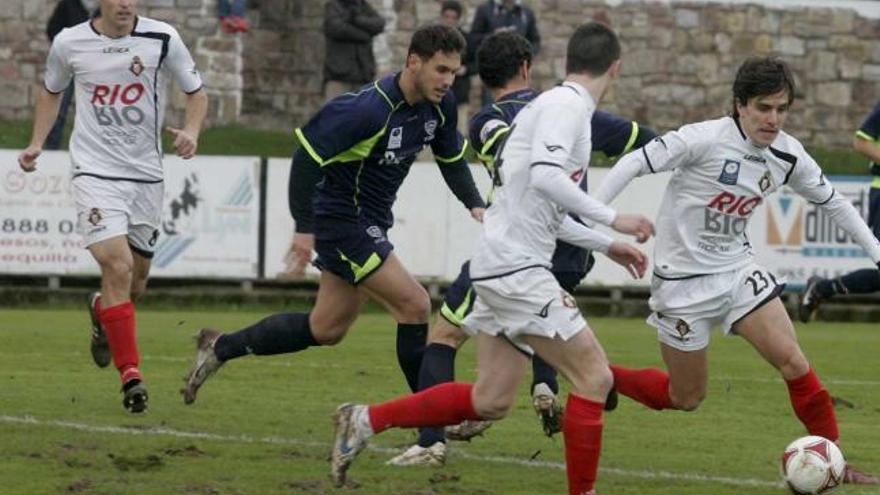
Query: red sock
[[582, 432], [649, 386], [812, 405], [445, 404], [119, 324]]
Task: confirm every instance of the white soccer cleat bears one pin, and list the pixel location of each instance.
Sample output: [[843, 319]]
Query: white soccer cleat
[[348, 443], [466, 430], [548, 408], [205, 365], [435, 455]]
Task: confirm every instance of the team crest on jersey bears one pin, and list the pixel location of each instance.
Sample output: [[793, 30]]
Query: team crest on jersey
[[430, 127], [396, 138], [136, 66], [682, 328], [568, 301], [95, 216], [764, 182], [729, 173]]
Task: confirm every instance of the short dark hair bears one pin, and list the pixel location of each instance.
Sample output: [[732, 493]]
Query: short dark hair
[[500, 57], [761, 76], [453, 5], [433, 38], [592, 49]]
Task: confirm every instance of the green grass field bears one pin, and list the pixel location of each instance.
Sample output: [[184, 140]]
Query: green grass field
[[262, 426]]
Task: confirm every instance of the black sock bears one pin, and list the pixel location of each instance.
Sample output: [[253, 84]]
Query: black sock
[[438, 366], [276, 334], [863, 281], [543, 373], [411, 339]]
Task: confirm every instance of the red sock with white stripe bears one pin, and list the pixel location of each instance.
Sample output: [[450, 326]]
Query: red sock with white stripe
[[119, 325], [445, 404], [582, 432], [649, 386], [812, 405]]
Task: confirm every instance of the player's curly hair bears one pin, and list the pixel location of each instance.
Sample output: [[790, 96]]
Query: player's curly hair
[[433, 38], [500, 56], [761, 76]]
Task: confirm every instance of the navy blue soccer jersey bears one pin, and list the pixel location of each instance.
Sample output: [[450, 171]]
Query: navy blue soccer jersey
[[870, 131], [365, 143], [612, 135]]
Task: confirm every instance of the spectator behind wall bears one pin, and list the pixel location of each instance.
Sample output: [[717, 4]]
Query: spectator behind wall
[[504, 15], [67, 13], [450, 15], [349, 29]]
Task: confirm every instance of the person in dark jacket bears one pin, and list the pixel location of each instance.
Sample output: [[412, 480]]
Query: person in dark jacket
[[67, 13], [349, 28], [450, 15], [505, 15]]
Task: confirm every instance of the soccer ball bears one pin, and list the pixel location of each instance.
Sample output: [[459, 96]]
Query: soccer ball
[[812, 465]]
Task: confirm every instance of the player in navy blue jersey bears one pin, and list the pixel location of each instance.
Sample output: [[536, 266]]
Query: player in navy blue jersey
[[353, 156], [504, 60], [866, 280]]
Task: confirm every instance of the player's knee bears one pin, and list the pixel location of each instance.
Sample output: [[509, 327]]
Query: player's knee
[[595, 380], [415, 308], [118, 269], [330, 335]]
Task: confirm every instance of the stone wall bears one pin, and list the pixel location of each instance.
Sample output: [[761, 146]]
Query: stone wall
[[23, 49], [679, 56]]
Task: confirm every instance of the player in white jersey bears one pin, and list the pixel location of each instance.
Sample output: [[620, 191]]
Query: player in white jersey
[[520, 307], [120, 64], [704, 273]]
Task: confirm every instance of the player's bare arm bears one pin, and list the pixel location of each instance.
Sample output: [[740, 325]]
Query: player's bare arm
[[44, 117], [867, 148], [186, 140]]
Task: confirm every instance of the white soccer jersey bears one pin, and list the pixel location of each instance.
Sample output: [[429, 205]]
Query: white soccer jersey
[[121, 86], [520, 227], [719, 179]]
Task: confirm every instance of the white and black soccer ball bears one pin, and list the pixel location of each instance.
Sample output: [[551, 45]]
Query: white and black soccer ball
[[813, 465]]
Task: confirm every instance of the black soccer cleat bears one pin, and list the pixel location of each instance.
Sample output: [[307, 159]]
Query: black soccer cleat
[[135, 398], [98, 345], [611, 400], [810, 300]]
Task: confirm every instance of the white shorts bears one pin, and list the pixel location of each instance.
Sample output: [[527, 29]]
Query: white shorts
[[527, 302], [110, 208], [686, 310]]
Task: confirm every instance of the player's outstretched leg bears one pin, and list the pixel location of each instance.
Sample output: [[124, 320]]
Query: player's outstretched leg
[[98, 345], [650, 386], [276, 334], [444, 404], [819, 290]]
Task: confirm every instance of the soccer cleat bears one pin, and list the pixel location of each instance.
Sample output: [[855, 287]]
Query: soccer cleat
[[853, 476], [206, 364], [99, 346], [810, 300], [348, 442], [548, 408], [611, 400], [435, 455], [135, 396], [466, 430]]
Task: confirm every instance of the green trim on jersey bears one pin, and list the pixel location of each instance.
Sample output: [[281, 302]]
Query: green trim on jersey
[[633, 134], [455, 158], [308, 147], [864, 135]]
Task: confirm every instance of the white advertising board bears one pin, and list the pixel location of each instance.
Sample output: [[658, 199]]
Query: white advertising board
[[210, 221]]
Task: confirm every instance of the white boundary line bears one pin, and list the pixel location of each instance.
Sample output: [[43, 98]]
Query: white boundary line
[[161, 431]]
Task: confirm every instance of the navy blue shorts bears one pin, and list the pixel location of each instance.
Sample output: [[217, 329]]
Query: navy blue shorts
[[459, 298], [350, 251], [874, 211]]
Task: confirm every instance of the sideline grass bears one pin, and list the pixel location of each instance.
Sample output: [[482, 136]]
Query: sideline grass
[[47, 374]]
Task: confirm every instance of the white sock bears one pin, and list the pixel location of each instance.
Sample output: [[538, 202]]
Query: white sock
[[362, 422]]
